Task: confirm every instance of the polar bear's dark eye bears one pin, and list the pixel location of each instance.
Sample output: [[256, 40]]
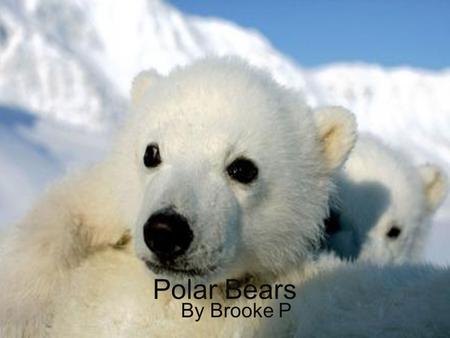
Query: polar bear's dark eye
[[243, 170], [394, 232], [152, 158]]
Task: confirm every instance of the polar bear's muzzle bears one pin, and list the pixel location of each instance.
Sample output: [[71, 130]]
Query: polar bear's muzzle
[[167, 234], [184, 229]]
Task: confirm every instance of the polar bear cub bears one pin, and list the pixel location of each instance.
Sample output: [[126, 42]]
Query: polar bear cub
[[219, 173], [384, 204]]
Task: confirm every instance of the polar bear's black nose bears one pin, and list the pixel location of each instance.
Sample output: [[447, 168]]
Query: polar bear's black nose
[[167, 234]]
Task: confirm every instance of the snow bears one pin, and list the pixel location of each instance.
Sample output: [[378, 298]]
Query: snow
[[34, 152], [66, 68]]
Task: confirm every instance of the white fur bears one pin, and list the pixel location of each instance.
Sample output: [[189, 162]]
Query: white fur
[[223, 111], [69, 267], [379, 188], [341, 299], [334, 299]]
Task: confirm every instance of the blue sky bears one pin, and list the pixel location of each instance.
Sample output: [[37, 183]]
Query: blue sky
[[389, 32]]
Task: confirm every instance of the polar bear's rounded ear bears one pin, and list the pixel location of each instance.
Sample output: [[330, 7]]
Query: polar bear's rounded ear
[[142, 83], [337, 134], [435, 185]]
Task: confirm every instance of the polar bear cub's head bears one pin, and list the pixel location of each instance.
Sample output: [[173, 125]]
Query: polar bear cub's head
[[388, 201], [231, 172]]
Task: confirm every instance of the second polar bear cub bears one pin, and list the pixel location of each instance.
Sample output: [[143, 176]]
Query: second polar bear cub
[[383, 204]]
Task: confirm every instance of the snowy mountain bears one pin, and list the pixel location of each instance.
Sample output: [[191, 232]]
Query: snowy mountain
[[70, 64], [74, 60]]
